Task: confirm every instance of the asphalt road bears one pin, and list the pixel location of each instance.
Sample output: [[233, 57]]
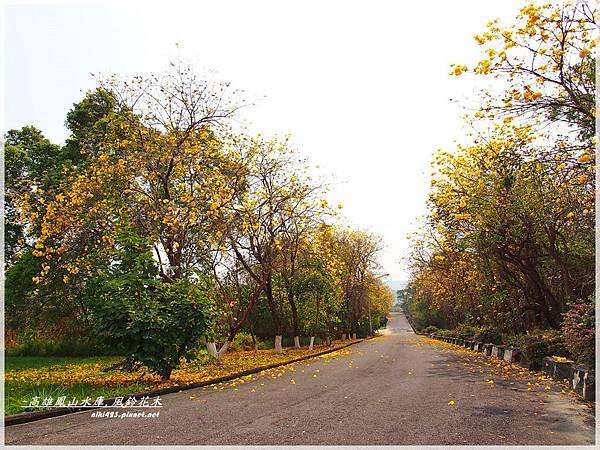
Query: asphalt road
[[395, 389]]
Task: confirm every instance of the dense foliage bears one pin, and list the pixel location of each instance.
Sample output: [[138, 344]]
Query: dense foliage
[[579, 331], [509, 239], [158, 227]]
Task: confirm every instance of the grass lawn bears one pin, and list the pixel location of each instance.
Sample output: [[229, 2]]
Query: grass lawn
[[29, 376]]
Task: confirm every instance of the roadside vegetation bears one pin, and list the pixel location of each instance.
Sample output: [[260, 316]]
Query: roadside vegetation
[[91, 377], [507, 247], [161, 231]]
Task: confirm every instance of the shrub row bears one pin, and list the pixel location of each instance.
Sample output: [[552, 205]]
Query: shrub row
[[29, 345], [575, 340], [47, 347], [534, 346], [580, 378]]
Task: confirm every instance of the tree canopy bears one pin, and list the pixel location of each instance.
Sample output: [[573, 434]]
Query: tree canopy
[[508, 241], [160, 224]]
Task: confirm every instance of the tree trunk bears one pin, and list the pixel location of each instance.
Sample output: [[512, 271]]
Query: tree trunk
[[273, 306], [211, 347], [278, 346], [550, 306], [312, 341], [343, 336], [223, 349], [165, 374], [234, 330], [295, 321], [353, 335], [297, 341]]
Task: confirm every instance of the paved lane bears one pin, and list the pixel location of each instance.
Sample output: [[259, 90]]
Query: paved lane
[[394, 389]]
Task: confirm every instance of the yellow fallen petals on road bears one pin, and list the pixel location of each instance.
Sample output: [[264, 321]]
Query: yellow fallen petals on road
[[518, 377], [201, 369]]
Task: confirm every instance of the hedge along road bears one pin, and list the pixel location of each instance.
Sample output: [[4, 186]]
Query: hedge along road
[[398, 388]]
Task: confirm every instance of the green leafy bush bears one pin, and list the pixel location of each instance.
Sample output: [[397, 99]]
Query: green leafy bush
[[471, 333], [578, 330], [32, 343], [242, 341], [446, 333], [464, 331], [155, 325], [45, 347], [430, 329], [539, 344], [487, 336]]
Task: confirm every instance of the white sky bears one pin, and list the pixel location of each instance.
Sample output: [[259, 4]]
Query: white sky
[[363, 87]]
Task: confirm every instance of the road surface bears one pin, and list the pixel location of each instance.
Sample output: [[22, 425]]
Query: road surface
[[398, 388]]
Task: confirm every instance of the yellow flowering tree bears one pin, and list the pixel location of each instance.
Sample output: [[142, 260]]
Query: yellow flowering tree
[[509, 238]]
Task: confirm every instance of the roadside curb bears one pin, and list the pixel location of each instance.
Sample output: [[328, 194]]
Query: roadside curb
[[34, 416], [581, 379], [411, 326], [418, 333]]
